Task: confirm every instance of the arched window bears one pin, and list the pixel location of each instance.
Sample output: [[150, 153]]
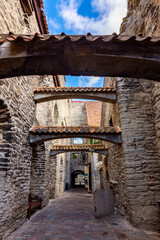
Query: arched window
[[111, 122], [56, 112]]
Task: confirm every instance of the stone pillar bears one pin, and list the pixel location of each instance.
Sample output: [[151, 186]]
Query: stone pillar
[[39, 183], [52, 182], [140, 154]]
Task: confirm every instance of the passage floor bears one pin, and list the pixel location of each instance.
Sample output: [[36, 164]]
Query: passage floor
[[71, 217]]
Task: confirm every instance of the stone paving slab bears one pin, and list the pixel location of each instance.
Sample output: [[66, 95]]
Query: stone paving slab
[[71, 217]]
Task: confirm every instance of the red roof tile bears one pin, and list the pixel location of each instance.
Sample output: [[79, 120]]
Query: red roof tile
[[78, 147], [74, 89], [45, 129], [80, 38]]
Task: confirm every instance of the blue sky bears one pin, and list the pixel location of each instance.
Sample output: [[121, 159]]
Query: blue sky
[[80, 17]]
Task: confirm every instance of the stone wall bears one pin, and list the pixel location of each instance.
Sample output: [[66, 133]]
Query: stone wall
[[54, 113], [95, 172], [23, 167], [78, 113], [17, 95], [143, 18], [135, 165], [114, 166], [78, 118], [77, 161]]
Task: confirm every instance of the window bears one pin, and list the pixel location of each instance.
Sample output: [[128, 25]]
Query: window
[[78, 140], [27, 6], [111, 122], [75, 155], [56, 113]]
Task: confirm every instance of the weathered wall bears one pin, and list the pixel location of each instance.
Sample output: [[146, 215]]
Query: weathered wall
[[136, 169], [143, 96], [17, 94], [78, 118], [78, 113], [77, 163], [114, 165], [95, 173], [22, 168], [54, 113]]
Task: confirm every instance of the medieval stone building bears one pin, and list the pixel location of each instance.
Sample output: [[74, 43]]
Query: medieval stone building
[[132, 167], [24, 168]]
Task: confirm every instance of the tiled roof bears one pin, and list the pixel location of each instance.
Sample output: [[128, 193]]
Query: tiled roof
[[41, 3], [79, 38], [44, 16], [75, 89], [45, 21], [44, 129], [94, 110], [78, 147]]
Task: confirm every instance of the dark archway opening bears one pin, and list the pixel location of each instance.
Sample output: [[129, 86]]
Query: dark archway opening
[[77, 179]]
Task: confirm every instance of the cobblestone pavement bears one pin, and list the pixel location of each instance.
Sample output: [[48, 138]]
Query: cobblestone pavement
[[71, 217]]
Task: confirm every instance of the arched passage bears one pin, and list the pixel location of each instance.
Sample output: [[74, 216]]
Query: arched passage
[[77, 178]]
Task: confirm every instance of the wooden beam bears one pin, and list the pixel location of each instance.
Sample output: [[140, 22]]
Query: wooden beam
[[40, 134], [52, 93], [115, 56], [97, 148]]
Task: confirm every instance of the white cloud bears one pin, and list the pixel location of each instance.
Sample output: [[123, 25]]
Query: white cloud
[[110, 17], [53, 24], [88, 81]]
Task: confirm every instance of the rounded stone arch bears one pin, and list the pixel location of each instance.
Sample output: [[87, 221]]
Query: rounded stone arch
[[74, 175]]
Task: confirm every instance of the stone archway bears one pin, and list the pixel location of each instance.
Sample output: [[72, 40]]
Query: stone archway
[[73, 178]]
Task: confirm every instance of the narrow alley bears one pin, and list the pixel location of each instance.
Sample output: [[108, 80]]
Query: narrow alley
[[71, 216], [80, 120]]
